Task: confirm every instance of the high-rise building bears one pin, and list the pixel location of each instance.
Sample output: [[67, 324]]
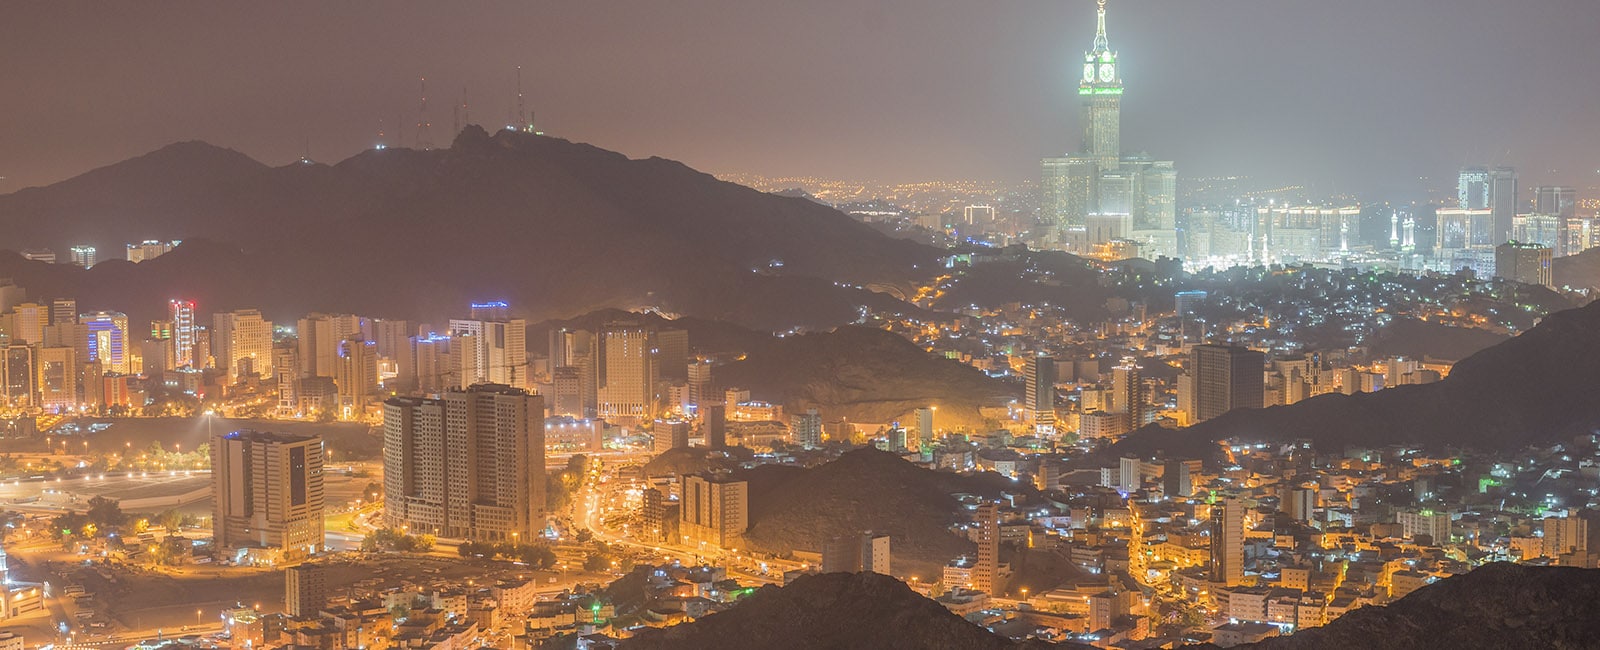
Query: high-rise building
[[1495, 190], [1225, 377], [17, 376], [63, 311], [1039, 390], [566, 391], [1525, 263], [57, 383], [716, 510], [498, 345], [241, 344], [150, 249], [184, 341], [671, 357], [924, 426], [1563, 535], [714, 423], [654, 516], [39, 255], [267, 492], [357, 377], [670, 434], [305, 590], [806, 428], [28, 322], [467, 465], [857, 553], [286, 366], [986, 570], [1101, 91], [1227, 541], [105, 340], [1128, 394], [1068, 186], [699, 379], [320, 337], [625, 389], [393, 340], [84, 255], [12, 295]]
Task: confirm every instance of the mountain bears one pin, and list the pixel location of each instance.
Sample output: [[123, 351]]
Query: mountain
[[864, 375], [866, 489], [1535, 388], [860, 374], [829, 611], [1494, 606], [557, 228]]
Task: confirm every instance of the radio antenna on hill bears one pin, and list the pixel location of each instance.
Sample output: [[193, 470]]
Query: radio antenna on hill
[[424, 140]]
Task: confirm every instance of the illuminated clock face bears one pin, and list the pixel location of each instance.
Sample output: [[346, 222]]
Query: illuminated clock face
[[1088, 72], [1107, 73]]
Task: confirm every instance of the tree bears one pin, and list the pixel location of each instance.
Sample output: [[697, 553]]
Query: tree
[[105, 513], [170, 519]]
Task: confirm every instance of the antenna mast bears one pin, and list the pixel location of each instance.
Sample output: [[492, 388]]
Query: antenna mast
[[424, 140]]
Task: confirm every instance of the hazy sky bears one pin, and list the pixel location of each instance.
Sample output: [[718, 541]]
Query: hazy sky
[[1352, 95]]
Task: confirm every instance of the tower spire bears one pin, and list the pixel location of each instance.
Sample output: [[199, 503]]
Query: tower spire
[[1100, 42]]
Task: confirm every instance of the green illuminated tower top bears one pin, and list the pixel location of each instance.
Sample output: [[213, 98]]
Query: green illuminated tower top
[[1101, 92], [1100, 64]]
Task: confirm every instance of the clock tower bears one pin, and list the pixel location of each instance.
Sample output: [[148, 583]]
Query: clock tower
[[1100, 89]]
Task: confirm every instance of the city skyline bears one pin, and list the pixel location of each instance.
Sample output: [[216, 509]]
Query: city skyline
[[631, 86]]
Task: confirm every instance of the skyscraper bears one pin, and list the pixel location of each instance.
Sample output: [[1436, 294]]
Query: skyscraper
[[106, 340], [987, 568], [715, 510], [1227, 541], [320, 338], [267, 492], [357, 377], [806, 428], [1101, 92], [499, 345], [1225, 378], [1096, 195], [1039, 390], [181, 315], [625, 389], [241, 344], [469, 465], [1525, 263], [84, 255], [1481, 188], [305, 590]]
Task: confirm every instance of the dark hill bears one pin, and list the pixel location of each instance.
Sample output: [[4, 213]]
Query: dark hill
[[1535, 388], [866, 489], [865, 375], [1494, 606], [825, 612], [556, 227]]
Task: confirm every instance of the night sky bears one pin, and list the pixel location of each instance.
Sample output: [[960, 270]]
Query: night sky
[[1358, 96]]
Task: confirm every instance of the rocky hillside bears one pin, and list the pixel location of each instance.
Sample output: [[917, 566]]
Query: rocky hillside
[[1493, 607], [866, 489], [555, 227], [829, 611], [1535, 388], [865, 375]]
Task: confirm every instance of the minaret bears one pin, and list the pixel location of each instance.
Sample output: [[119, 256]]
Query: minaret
[[1101, 92]]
